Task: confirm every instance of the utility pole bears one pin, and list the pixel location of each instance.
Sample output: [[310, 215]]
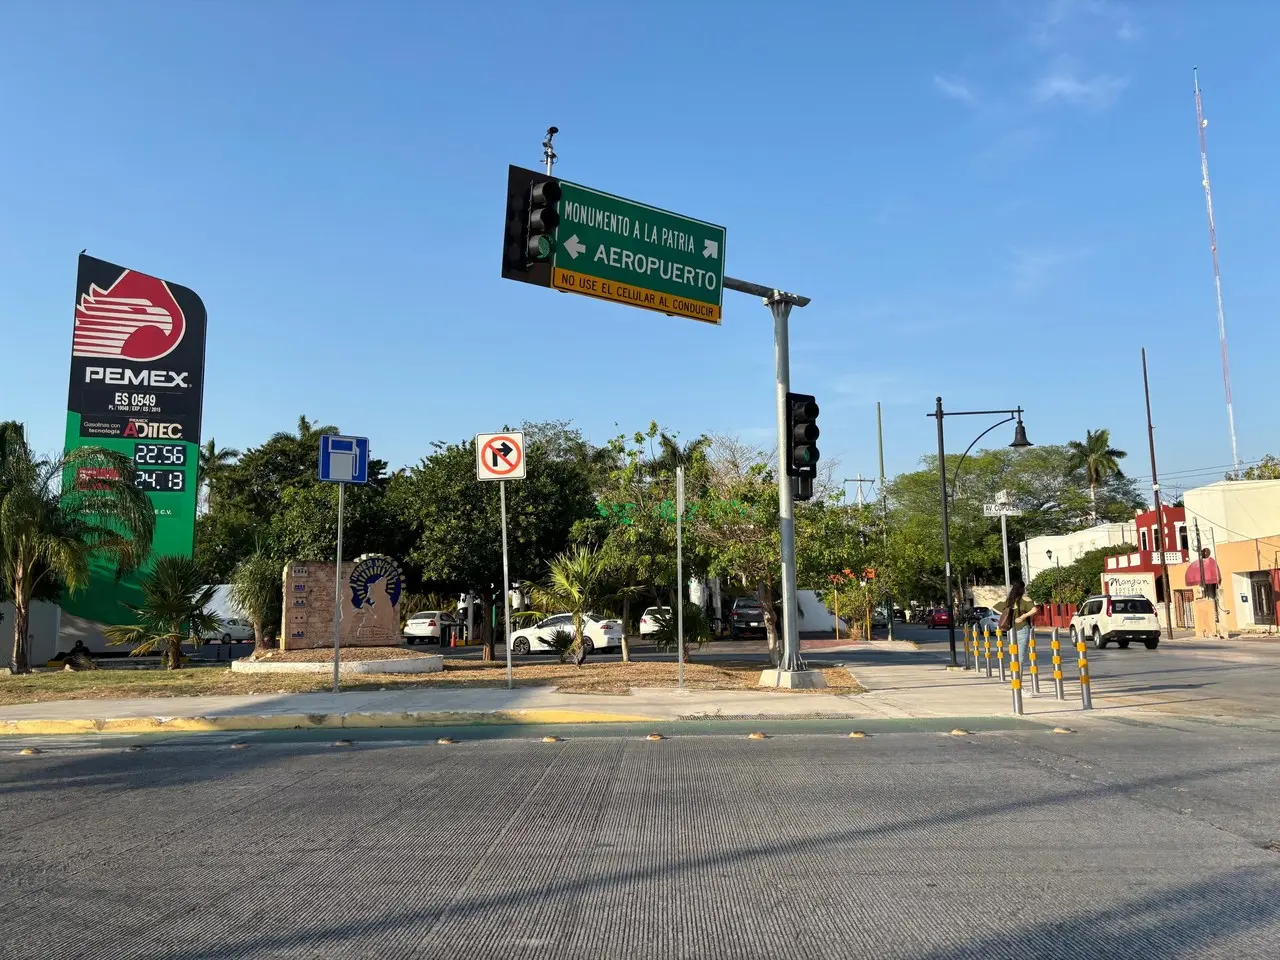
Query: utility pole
[[1155, 493], [884, 512], [860, 479]]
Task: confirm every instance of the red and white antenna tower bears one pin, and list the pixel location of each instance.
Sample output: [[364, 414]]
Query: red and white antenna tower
[[1201, 123]]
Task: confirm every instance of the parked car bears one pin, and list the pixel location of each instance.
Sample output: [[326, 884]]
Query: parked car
[[746, 618], [879, 617], [233, 630], [598, 633], [1103, 619], [428, 626], [937, 617], [977, 614], [649, 619]]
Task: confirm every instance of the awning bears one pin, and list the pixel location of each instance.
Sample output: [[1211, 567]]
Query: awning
[[1211, 575]]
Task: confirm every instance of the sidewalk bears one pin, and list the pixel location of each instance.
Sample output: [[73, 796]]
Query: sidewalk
[[902, 682]]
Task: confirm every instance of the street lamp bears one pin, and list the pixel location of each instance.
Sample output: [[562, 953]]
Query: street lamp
[[1020, 442]]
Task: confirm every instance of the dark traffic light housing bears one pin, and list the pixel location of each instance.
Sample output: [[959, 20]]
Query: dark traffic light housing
[[532, 215], [802, 448]]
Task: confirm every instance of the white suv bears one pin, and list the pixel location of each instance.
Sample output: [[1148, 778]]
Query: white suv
[[1122, 619]]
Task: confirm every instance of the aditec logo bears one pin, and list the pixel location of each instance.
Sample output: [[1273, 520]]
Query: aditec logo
[[147, 430], [137, 319]]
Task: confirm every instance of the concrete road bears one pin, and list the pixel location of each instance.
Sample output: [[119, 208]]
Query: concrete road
[[1123, 840]]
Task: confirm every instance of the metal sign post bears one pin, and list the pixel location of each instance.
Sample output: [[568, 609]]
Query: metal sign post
[[337, 592], [679, 575], [343, 460], [500, 456]]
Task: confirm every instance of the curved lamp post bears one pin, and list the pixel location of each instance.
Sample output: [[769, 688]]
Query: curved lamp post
[[1020, 442]]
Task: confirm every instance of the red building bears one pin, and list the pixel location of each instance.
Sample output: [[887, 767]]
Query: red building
[[1139, 572]]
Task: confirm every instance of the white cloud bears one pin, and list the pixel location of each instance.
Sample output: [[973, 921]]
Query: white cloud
[[954, 89], [1063, 83]]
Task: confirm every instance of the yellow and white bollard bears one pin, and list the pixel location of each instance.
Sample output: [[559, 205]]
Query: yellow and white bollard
[[986, 647], [1015, 674], [1054, 645], [1035, 667], [1082, 664], [1000, 654]]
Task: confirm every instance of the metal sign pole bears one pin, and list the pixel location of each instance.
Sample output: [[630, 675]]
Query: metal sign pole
[[780, 306], [506, 582], [680, 574], [337, 592]]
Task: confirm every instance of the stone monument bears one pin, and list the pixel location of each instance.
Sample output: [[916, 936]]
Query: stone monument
[[371, 589]]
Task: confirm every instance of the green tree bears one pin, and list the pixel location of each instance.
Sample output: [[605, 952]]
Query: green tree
[[50, 530], [458, 545], [577, 583], [1097, 460], [174, 607], [214, 461], [256, 588], [1268, 468]]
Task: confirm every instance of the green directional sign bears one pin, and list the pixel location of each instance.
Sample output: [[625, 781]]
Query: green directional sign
[[612, 248]]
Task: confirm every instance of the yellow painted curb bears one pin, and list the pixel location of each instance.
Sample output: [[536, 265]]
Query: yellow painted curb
[[306, 721]]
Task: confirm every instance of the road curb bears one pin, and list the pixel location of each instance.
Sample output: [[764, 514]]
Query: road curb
[[307, 721]]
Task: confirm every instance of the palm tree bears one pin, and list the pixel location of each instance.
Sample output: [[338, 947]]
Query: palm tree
[[49, 533], [577, 583], [214, 461], [1097, 459], [309, 431], [256, 586], [174, 607], [672, 455]]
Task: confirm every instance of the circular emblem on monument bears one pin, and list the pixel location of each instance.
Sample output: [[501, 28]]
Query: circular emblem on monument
[[370, 569]]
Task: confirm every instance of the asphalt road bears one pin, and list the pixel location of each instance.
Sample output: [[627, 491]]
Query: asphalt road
[[1123, 839]]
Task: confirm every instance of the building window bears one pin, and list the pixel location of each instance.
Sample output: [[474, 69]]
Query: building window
[[1183, 542], [1145, 545]]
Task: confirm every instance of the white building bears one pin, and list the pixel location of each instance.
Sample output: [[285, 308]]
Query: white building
[[1231, 510], [1040, 553]]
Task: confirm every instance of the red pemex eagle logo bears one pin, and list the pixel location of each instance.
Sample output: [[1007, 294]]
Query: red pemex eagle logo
[[137, 319]]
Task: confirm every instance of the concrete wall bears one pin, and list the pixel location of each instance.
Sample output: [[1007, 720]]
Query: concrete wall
[[42, 634], [1069, 547], [1232, 510]]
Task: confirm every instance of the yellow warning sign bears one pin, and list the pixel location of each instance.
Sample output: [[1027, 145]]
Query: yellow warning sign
[[571, 282]]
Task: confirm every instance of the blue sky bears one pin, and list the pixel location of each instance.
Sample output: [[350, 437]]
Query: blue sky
[[997, 202]]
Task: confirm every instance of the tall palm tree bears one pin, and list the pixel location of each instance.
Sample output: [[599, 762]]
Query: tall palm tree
[[309, 431], [577, 583], [1098, 460], [49, 532], [214, 461], [256, 588], [174, 607], [671, 454]]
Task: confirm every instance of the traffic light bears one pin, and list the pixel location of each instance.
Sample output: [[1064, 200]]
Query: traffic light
[[543, 220], [802, 435], [533, 214]]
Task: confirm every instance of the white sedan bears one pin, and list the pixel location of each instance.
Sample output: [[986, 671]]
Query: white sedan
[[233, 630], [598, 633]]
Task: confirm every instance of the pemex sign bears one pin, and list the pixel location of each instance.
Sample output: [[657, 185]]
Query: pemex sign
[[580, 240]]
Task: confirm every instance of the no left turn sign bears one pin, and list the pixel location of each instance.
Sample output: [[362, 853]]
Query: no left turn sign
[[500, 456]]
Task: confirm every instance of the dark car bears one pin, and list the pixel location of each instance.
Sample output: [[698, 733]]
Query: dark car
[[746, 618], [937, 618]]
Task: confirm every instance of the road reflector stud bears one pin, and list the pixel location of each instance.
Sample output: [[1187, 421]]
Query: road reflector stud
[[1063, 730], [551, 739], [239, 746], [30, 752], [757, 736], [134, 749], [857, 735], [342, 743], [446, 740], [960, 732], [655, 736]]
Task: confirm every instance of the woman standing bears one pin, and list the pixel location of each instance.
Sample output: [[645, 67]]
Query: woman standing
[[1016, 612]]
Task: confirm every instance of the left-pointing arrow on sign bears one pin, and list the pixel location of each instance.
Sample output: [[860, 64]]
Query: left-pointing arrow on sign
[[575, 246]]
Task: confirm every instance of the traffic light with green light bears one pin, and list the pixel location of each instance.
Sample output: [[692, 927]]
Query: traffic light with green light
[[802, 437]]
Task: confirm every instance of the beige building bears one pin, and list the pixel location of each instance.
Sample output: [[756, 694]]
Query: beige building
[[1232, 510]]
